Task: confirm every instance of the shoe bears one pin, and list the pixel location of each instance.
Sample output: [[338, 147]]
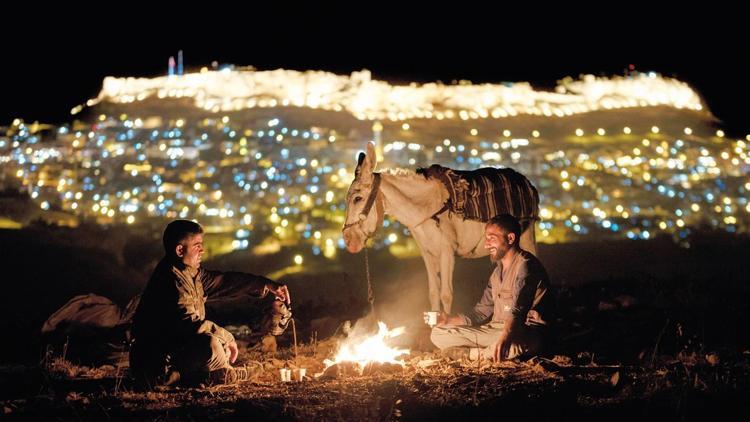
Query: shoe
[[172, 378], [460, 353], [240, 374], [476, 353], [228, 376], [455, 353]]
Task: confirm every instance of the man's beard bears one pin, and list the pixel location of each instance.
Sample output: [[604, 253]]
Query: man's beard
[[499, 254]]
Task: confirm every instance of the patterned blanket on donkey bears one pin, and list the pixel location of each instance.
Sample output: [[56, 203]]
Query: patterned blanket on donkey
[[486, 192]]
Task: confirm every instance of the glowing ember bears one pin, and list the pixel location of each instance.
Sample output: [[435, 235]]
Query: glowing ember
[[370, 349]]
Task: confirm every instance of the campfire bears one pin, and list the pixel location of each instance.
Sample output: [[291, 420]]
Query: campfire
[[365, 354]]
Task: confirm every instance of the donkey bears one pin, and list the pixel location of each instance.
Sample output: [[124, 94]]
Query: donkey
[[418, 203]]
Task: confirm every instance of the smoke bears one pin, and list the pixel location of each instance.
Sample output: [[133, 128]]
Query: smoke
[[403, 301], [400, 291]]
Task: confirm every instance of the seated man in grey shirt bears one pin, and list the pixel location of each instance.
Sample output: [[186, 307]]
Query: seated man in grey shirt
[[516, 302]]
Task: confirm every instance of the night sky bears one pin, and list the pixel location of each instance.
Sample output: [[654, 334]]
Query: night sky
[[43, 80]]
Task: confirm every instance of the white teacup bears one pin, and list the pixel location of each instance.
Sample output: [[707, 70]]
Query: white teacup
[[431, 318]]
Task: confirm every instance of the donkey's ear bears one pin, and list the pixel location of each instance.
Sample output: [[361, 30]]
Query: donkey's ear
[[360, 160], [364, 170], [372, 158]]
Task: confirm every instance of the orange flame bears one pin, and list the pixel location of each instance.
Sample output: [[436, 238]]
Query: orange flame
[[370, 349]]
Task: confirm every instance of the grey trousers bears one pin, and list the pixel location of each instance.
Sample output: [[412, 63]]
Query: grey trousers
[[483, 338]]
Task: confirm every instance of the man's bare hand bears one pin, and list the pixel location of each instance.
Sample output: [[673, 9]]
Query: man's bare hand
[[501, 349], [281, 292], [233, 351]]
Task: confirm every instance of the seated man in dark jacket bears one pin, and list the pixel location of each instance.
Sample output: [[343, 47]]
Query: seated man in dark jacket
[[170, 329]]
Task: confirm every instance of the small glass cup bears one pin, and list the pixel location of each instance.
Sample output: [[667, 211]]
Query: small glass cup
[[431, 318]]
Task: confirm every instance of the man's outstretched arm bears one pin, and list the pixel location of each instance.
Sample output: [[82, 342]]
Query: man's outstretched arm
[[235, 285]]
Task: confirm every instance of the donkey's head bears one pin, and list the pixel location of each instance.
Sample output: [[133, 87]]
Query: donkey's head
[[364, 203]]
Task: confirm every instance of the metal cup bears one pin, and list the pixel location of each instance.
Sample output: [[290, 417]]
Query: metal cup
[[277, 318]]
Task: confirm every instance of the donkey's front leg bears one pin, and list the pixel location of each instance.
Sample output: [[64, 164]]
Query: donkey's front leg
[[447, 262], [433, 280], [424, 235]]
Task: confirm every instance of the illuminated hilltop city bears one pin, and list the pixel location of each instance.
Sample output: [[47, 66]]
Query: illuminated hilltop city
[[264, 158]]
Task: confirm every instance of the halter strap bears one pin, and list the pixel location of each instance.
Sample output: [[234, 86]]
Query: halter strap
[[373, 194], [370, 201]]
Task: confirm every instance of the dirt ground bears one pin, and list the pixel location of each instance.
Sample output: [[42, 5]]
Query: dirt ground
[[658, 338], [428, 387]]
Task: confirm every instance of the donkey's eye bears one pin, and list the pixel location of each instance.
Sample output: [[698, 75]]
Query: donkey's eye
[[357, 199]]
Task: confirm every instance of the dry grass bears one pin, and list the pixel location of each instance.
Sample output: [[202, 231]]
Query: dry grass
[[428, 387]]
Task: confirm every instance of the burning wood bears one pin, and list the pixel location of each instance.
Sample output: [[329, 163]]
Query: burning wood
[[366, 356]]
